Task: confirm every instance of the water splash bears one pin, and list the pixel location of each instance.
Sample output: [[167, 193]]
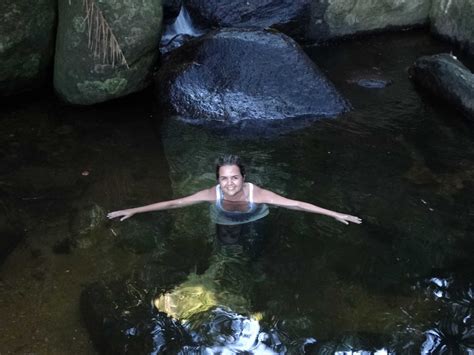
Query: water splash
[[183, 25]]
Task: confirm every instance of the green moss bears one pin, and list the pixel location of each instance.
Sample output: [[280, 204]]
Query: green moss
[[79, 24], [111, 86]]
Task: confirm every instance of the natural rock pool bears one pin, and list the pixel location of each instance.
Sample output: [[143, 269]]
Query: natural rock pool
[[402, 281]]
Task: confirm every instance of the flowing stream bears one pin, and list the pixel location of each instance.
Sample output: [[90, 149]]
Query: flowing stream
[[403, 162]]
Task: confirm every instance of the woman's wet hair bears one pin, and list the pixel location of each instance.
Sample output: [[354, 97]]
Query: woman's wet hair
[[229, 159]]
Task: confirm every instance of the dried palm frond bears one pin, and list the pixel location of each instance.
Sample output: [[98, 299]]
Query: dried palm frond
[[102, 40]]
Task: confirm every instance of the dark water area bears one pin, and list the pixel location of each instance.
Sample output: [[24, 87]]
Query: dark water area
[[401, 282]]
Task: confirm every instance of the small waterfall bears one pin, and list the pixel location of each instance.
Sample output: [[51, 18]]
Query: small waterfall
[[183, 25]]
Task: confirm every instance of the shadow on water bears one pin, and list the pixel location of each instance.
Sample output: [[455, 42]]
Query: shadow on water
[[400, 282]]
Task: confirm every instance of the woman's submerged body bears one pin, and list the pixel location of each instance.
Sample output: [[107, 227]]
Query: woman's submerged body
[[237, 196], [231, 212]]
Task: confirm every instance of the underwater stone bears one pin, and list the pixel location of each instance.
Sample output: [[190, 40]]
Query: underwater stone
[[86, 225], [120, 320]]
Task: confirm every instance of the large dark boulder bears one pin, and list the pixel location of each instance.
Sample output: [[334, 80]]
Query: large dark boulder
[[447, 78], [26, 44], [235, 75], [105, 49], [288, 16]]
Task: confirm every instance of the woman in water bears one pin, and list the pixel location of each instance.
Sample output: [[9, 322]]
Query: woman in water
[[235, 201]]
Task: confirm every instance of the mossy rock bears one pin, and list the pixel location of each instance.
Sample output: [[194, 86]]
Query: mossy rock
[[89, 69]]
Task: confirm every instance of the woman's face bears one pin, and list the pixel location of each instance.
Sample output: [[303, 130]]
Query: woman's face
[[230, 180]]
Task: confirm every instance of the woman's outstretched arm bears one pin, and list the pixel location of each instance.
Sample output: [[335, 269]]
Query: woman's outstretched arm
[[271, 198], [207, 195]]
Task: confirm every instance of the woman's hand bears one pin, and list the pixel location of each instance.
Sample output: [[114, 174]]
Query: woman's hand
[[346, 218], [123, 213]]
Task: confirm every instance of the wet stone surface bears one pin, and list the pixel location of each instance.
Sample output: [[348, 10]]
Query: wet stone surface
[[232, 76]]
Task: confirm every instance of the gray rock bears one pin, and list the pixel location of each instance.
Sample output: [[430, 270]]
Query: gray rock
[[236, 75], [445, 77], [454, 20], [82, 75], [26, 44], [288, 16], [334, 19]]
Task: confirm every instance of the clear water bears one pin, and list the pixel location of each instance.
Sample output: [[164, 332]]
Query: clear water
[[400, 282]]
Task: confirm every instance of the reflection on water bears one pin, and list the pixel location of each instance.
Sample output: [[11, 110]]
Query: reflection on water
[[454, 332], [226, 332], [402, 282]]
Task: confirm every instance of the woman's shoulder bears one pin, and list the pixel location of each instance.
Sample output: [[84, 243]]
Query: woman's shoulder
[[255, 186], [255, 189]]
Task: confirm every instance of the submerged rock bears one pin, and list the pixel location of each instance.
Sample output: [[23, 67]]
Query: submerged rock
[[105, 49], [26, 44], [371, 83], [454, 20], [370, 80], [86, 225], [288, 16], [446, 77], [235, 75], [120, 320], [334, 19]]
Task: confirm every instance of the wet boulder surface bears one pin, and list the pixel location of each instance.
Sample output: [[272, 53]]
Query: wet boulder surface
[[288, 16], [235, 75], [443, 76]]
